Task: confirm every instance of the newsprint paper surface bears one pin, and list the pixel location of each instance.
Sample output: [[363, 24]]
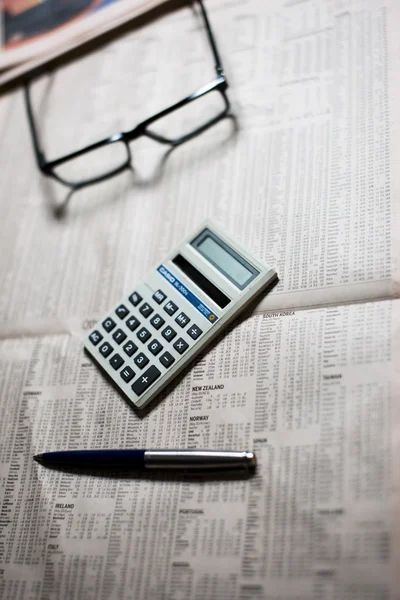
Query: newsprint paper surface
[[307, 177]]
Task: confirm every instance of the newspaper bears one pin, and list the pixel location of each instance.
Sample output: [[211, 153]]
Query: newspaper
[[33, 30], [307, 178]]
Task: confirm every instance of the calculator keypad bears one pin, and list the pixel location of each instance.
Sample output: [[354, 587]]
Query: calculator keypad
[[139, 365]]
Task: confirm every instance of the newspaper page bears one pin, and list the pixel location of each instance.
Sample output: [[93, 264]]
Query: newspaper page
[[305, 176], [312, 392]]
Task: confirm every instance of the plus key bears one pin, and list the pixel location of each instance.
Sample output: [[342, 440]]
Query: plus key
[[145, 380]]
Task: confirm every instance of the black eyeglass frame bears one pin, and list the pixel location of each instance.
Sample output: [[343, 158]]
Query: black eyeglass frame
[[219, 84]]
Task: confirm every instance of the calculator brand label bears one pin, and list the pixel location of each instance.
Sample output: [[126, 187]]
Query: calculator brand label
[[190, 297]]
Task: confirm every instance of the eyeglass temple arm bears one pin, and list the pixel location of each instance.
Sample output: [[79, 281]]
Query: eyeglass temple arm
[[40, 157], [218, 64]]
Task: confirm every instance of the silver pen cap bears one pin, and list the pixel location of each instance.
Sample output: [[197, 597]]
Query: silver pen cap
[[219, 460]]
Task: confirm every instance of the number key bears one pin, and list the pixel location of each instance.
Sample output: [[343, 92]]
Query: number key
[[157, 321], [133, 323], [168, 333], [155, 347], [106, 349], [146, 309], [119, 336], [130, 348], [141, 360], [143, 334]]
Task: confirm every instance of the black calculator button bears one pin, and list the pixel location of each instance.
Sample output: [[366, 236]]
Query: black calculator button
[[146, 310], [157, 321], [122, 311], [116, 361], [127, 374], [132, 323], [180, 345], [143, 334], [168, 333], [167, 359], [141, 360], [95, 337], [135, 298], [159, 296], [170, 308], [119, 336], [194, 331], [145, 380], [106, 349], [182, 319], [155, 347], [108, 324], [130, 348]]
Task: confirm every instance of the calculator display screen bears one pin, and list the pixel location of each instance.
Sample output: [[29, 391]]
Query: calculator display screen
[[225, 259]]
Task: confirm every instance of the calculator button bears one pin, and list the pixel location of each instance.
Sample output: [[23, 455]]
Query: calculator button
[[146, 309], [130, 348], [168, 333], [116, 361], [108, 324], [95, 337], [127, 374], [180, 345], [167, 359], [106, 349], [155, 347], [157, 321], [144, 381], [132, 323], [182, 319], [170, 308], [119, 336], [141, 360], [159, 296], [135, 298], [194, 332], [143, 334], [122, 311]]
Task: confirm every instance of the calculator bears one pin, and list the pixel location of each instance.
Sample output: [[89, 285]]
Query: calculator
[[165, 321]]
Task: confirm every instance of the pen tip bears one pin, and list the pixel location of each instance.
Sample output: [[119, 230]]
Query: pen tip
[[38, 458]]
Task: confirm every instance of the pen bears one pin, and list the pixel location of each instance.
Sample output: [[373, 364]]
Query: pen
[[204, 460]]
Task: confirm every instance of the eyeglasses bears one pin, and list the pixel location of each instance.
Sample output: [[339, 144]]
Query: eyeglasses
[[117, 148]]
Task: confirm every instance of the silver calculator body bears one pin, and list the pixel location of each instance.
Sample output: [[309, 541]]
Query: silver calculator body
[[165, 321]]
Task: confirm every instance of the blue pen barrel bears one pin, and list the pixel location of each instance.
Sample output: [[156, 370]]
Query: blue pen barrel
[[94, 458]]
